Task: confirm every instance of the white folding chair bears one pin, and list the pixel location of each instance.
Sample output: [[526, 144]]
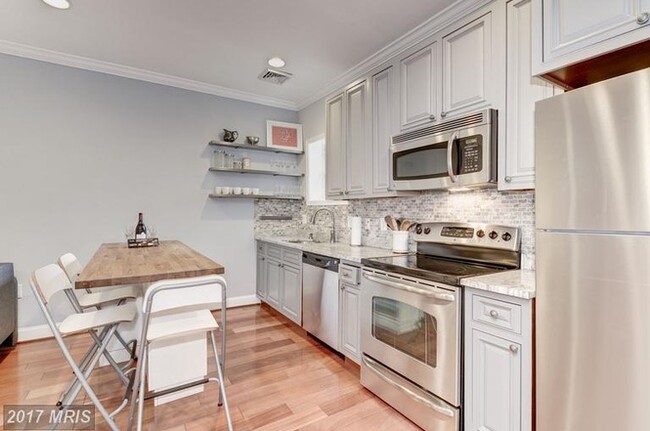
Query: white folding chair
[[86, 299], [190, 300], [46, 282]]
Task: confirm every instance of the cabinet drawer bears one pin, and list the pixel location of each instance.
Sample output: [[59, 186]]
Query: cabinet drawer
[[290, 256], [497, 313], [274, 251], [349, 274]]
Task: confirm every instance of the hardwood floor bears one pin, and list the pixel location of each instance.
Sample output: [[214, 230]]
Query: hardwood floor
[[277, 379]]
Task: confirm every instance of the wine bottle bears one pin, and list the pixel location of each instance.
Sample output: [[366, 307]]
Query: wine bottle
[[140, 229]]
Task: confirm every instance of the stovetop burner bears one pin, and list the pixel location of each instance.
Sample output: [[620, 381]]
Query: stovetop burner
[[448, 252], [430, 268]]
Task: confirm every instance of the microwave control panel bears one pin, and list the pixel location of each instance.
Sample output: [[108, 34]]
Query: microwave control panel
[[471, 154]]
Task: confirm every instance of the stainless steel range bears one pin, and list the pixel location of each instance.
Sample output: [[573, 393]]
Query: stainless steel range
[[411, 317]]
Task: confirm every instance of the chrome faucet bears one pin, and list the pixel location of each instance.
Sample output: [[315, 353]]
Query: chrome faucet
[[331, 213]]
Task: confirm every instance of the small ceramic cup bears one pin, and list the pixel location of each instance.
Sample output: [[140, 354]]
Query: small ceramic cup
[[246, 190], [400, 241], [218, 190], [226, 190], [236, 190]]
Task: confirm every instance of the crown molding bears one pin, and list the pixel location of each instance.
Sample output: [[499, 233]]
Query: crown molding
[[428, 28], [70, 60]]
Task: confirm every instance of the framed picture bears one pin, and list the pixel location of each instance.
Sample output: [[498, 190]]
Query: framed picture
[[284, 136]]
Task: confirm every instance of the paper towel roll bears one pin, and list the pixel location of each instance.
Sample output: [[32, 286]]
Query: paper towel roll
[[355, 231]]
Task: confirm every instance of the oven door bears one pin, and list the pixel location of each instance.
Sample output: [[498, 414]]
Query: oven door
[[413, 328], [460, 158]]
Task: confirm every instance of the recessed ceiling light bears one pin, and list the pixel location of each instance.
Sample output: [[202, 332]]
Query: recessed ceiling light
[[276, 62], [59, 4]]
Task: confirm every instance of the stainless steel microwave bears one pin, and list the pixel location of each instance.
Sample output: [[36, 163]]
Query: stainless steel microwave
[[458, 153]]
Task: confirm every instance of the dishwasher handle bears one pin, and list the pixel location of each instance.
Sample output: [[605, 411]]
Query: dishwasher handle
[[324, 262]]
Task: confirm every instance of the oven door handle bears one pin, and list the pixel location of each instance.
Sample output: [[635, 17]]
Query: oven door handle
[[437, 406], [447, 297], [450, 147]]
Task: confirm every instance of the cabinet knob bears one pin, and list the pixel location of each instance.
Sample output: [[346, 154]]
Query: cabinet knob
[[432, 117], [263, 258], [508, 179], [341, 193], [643, 18], [514, 348], [494, 314], [443, 114]]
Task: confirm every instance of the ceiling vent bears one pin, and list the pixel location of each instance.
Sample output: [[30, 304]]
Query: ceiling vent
[[274, 76]]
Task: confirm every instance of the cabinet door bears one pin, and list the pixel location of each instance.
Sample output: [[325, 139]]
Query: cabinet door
[[335, 147], [260, 289], [350, 314], [291, 293], [517, 151], [570, 25], [356, 142], [418, 87], [467, 68], [273, 282], [382, 128], [494, 396]]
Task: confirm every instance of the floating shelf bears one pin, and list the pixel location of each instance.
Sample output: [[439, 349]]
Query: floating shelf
[[252, 147], [258, 172], [292, 198]]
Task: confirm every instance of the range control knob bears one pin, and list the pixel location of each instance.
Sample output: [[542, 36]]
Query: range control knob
[[480, 233], [418, 230], [493, 235], [427, 230], [506, 236]]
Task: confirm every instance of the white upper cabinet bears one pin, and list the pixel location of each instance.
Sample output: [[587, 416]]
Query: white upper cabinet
[[382, 128], [335, 144], [570, 31], [357, 139], [517, 152], [467, 81], [418, 78]]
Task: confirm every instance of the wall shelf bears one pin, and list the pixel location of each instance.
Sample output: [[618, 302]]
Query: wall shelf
[[293, 198], [252, 147], [258, 172]]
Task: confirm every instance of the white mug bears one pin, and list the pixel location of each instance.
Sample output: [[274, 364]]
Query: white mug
[[236, 190], [246, 190], [218, 190], [226, 190]]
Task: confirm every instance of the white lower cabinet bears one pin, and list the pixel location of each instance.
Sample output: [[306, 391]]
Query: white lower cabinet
[[350, 315], [498, 362], [279, 279]]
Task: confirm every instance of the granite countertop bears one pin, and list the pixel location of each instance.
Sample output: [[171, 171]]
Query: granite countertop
[[518, 283], [345, 252]]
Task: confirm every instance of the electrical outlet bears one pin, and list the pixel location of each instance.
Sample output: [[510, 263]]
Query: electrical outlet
[[20, 290], [382, 224]]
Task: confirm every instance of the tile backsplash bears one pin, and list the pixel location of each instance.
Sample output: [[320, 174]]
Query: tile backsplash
[[480, 206]]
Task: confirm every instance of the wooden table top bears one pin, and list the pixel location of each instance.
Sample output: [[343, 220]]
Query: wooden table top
[[115, 264]]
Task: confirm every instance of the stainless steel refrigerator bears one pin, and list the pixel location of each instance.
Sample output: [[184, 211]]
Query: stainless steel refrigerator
[[593, 257]]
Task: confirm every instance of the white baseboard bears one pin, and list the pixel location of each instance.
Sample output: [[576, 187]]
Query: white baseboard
[[29, 333], [37, 332]]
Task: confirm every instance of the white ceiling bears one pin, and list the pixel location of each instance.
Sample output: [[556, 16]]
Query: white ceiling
[[219, 43]]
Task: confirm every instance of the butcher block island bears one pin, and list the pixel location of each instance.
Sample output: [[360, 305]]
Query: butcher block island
[[115, 264]]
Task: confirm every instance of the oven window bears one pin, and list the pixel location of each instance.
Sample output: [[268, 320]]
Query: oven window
[[421, 163], [405, 328]]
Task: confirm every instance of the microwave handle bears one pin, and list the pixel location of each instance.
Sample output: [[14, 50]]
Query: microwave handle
[[450, 147]]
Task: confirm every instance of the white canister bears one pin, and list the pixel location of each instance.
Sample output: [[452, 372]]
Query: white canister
[[400, 241], [355, 230]]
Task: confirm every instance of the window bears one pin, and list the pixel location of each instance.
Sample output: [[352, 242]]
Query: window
[[315, 153]]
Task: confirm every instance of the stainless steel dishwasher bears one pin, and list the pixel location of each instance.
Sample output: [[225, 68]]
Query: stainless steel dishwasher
[[320, 297]]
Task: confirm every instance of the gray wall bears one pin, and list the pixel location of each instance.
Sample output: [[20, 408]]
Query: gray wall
[[81, 153], [312, 119]]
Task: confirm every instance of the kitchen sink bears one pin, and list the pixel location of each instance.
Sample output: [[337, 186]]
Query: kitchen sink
[[303, 241]]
